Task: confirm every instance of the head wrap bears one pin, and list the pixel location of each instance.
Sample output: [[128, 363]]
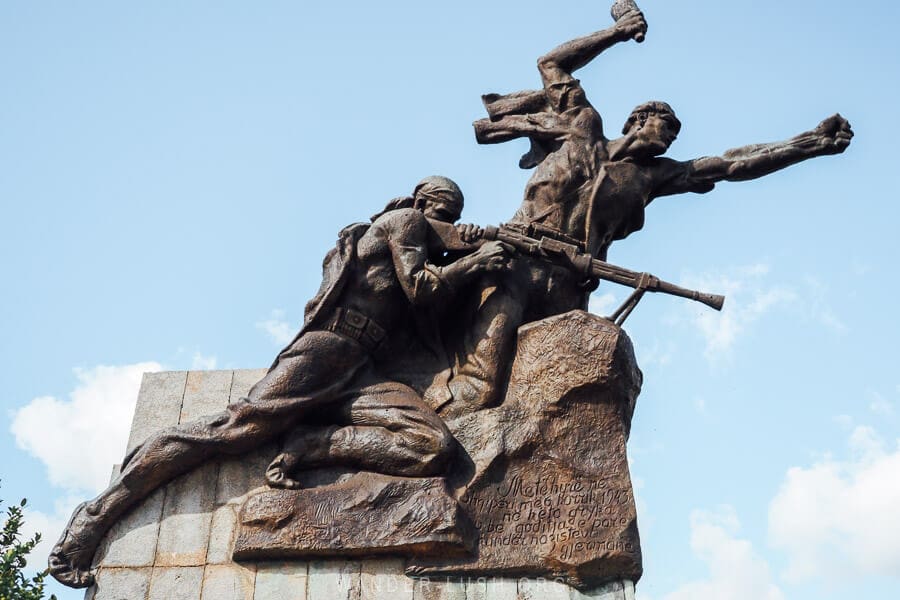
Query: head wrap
[[430, 187]]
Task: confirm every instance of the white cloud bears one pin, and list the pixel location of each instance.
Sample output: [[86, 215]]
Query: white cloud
[[861, 268], [748, 298], [736, 571], [79, 439], [203, 363], [818, 307], [880, 405], [278, 329], [700, 404], [658, 354], [602, 304], [839, 519], [845, 421]]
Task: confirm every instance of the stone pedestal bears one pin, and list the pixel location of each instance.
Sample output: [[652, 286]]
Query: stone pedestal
[[178, 544]]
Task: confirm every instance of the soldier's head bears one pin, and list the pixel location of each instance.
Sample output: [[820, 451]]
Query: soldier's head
[[439, 198], [653, 127]]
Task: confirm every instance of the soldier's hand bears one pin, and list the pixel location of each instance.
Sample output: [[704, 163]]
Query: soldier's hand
[[632, 25], [834, 134], [469, 232], [494, 256]]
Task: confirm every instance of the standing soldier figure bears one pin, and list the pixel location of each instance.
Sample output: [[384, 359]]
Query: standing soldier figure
[[590, 191]]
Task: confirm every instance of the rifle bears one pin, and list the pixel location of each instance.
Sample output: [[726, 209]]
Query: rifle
[[530, 240]]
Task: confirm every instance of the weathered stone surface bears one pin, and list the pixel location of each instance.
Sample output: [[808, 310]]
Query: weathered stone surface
[[476, 588], [228, 582], [501, 589], [184, 530], [281, 581], [242, 381], [205, 393], [159, 404], [242, 473], [221, 533], [176, 583], [120, 584], [543, 589], [366, 514], [546, 477], [614, 590], [132, 541], [239, 475], [439, 589], [334, 580], [190, 500], [384, 578]]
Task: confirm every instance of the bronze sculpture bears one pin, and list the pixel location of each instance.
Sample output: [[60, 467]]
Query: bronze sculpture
[[326, 387], [590, 191], [348, 390]]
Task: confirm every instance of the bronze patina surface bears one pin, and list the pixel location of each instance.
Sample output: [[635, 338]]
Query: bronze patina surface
[[367, 514]]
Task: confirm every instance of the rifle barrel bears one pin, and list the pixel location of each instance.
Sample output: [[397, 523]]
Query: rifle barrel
[[602, 269], [651, 283], [711, 300]]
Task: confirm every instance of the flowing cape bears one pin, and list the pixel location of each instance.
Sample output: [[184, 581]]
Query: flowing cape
[[530, 104]]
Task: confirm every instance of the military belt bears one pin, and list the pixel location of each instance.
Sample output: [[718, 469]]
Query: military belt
[[357, 326]]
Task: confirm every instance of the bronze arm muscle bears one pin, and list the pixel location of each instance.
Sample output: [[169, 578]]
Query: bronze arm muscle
[[571, 56], [832, 136], [700, 175]]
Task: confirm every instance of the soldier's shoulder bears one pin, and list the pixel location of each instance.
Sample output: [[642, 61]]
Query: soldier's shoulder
[[401, 217]]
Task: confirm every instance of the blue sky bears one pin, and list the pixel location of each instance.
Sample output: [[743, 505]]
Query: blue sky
[[173, 173]]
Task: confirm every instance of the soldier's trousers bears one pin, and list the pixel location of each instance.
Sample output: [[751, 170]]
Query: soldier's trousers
[[326, 381]]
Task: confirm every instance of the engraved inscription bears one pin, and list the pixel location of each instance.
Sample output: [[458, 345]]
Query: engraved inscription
[[571, 516]]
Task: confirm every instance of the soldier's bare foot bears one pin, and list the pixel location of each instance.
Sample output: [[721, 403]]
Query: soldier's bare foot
[[71, 557], [276, 475]]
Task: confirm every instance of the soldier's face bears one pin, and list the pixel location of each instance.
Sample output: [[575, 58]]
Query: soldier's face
[[443, 208], [655, 136]]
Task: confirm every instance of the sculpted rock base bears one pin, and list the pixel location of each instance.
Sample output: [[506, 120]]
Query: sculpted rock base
[[366, 514], [544, 476]]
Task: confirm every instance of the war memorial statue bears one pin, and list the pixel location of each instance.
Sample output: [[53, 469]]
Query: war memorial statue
[[448, 398]]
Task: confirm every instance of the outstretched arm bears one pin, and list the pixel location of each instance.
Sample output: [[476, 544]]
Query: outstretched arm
[[558, 65], [832, 136]]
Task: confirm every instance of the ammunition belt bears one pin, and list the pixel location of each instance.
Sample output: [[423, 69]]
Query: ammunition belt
[[357, 326]]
